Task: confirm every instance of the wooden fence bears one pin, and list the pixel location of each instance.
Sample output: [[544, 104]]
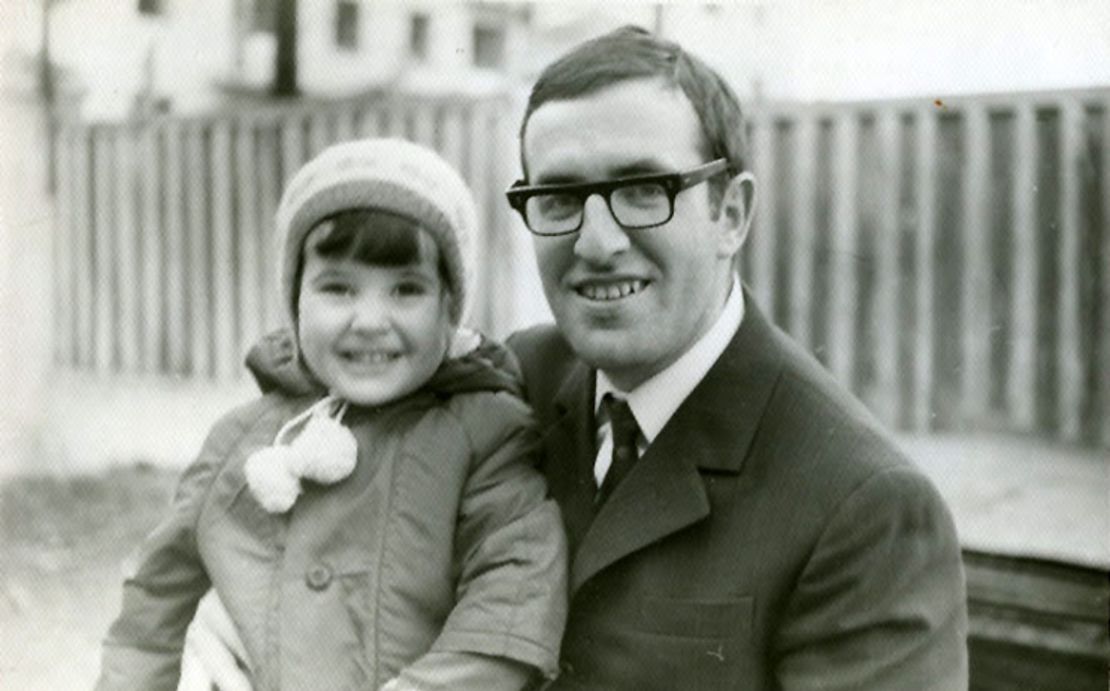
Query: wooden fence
[[950, 262], [164, 254]]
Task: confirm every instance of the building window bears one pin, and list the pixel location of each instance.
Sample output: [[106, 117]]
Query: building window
[[263, 16], [151, 7], [346, 24], [418, 36], [489, 46]]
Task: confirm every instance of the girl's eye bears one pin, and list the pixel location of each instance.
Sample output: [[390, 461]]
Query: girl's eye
[[410, 289], [336, 288]]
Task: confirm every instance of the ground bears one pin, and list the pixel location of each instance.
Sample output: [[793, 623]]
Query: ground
[[63, 541]]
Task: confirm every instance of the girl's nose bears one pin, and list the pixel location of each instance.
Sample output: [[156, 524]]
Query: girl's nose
[[370, 313]]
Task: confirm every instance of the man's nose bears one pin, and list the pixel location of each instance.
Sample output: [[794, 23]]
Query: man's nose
[[600, 237]]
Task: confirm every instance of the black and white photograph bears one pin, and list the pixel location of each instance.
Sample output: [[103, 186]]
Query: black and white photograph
[[416, 345]]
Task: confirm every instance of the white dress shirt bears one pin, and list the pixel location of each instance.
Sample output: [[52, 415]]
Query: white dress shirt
[[654, 401]]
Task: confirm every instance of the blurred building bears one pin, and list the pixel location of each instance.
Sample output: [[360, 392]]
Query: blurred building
[[190, 55]]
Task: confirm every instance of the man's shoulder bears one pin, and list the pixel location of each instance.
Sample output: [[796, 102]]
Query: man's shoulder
[[539, 343]]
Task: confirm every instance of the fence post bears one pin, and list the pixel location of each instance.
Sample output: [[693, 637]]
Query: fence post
[[224, 341], [126, 255], [976, 294], [803, 209], [247, 181], [153, 260], [176, 318], [843, 267], [761, 245], [104, 332], [926, 218], [1023, 366], [65, 243], [1069, 346], [199, 272], [885, 317]]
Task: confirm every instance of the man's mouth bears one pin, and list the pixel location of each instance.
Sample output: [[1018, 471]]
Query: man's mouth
[[605, 292]]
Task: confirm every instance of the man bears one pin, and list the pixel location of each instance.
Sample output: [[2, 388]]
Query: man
[[736, 520]]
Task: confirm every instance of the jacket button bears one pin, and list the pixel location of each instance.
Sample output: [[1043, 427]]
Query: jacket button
[[318, 577]]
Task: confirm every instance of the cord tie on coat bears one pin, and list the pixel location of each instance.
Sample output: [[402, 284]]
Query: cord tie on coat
[[324, 451]]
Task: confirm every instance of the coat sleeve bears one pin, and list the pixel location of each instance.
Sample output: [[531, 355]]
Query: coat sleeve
[[511, 597], [160, 594], [881, 602]]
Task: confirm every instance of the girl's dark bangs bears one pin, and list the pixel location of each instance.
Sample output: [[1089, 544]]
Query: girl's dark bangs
[[371, 237]]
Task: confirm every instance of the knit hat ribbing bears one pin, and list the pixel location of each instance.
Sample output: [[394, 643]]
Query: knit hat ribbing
[[389, 174]]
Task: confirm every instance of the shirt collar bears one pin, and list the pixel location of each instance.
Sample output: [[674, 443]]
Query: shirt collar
[[654, 401]]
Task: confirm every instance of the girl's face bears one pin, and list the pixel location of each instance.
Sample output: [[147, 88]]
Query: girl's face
[[373, 334]]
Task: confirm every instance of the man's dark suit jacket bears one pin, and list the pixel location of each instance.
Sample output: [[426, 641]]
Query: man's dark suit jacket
[[771, 537]]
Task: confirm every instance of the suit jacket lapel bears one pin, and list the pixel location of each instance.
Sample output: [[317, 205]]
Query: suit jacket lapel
[[712, 430], [570, 444]]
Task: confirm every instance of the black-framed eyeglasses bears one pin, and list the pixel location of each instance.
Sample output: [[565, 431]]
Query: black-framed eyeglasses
[[640, 201]]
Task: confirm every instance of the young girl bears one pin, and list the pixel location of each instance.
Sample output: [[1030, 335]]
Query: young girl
[[385, 527]]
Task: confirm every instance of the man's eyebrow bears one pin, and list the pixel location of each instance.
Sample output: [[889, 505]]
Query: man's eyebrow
[[643, 166]]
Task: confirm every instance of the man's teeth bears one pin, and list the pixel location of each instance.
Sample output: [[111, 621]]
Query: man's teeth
[[611, 291]]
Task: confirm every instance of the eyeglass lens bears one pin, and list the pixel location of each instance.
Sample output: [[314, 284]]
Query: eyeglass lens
[[637, 205]]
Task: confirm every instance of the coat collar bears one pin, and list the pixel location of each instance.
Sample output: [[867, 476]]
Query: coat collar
[[711, 431]]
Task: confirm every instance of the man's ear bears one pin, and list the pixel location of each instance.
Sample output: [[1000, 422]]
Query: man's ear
[[737, 211]]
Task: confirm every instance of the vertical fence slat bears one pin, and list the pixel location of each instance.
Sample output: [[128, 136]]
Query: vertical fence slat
[[225, 334], [152, 234], [83, 299], [126, 255], [1104, 294], [368, 122], [292, 147], [65, 243], [424, 126], [269, 155], [976, 294], [762, 243], [345, 123], [1022, 390], [843, 262], [885, 315], [176, 297], [925, 195], [248, 233], [803, 204], [199, 268], [105, 328], [454, 144], [1069, 346], [477, 177], [319, 136]]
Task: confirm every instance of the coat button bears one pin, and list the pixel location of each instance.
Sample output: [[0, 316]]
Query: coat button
[[318, 577], [624, 453]]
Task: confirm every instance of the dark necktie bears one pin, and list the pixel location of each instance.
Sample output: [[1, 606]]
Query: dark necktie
[[623, 426]]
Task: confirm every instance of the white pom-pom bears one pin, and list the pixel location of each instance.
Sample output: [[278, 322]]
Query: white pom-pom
[[326, 450], [271, 478]]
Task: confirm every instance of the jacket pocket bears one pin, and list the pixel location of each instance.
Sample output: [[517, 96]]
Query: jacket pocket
[[697, 618]]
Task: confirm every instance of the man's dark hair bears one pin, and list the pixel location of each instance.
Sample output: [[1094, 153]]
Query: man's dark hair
[[630, 53]]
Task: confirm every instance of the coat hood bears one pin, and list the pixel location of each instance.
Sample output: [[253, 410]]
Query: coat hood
[[490, 367]]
